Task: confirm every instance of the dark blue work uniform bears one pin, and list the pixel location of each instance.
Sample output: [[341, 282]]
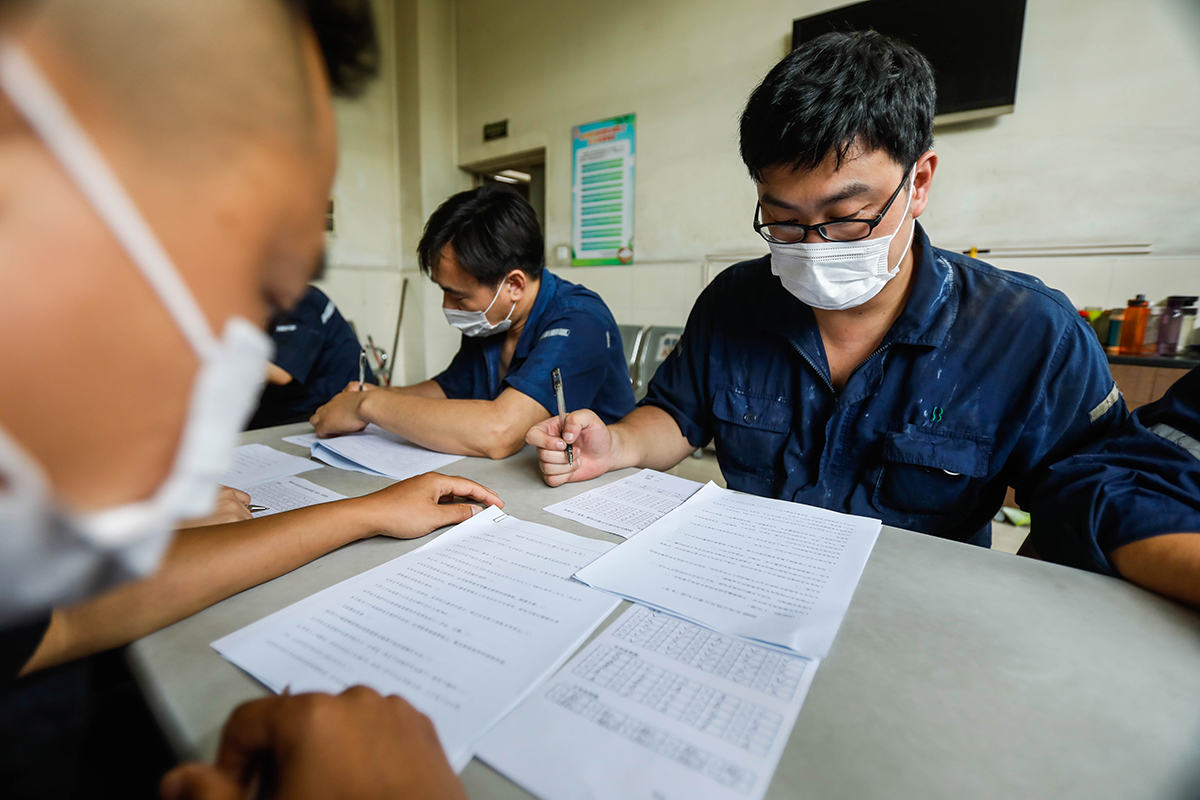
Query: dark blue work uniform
[[986, 378], [317, 347], [569, 327], [1141, 482]]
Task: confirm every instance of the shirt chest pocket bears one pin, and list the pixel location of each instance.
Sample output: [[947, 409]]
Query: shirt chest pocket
[[751, 433], [931, 473]]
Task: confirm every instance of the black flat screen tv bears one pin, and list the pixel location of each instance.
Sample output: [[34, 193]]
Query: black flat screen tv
[[974, 46]]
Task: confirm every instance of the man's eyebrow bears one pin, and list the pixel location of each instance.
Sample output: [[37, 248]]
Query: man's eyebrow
[[852, 189]]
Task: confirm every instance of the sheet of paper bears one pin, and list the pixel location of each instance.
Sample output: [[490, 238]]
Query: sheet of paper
[[254, 463], [376, 451], [287, 494], [655, 708], [463, 628], [769, 570], [305, 440], [628, 505]]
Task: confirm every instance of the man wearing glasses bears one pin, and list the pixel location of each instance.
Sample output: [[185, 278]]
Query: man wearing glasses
[[857, 367]]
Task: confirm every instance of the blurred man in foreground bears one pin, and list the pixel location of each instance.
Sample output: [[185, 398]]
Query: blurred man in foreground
[[165, 166]]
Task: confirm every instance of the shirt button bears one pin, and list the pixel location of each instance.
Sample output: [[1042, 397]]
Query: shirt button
[[750, 418]]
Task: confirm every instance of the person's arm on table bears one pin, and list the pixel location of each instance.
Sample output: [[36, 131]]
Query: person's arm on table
[[488, 428], [206, 565], [1167, 564], [354, 746], [648, 437], [431, 389]]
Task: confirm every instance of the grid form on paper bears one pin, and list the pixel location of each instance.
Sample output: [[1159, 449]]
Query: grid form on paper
[[590, 707], [732, 719], [767, 671]]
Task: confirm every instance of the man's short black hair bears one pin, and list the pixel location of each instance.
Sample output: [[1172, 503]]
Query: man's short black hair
[[493, 231], [833, 92], [345, 30]]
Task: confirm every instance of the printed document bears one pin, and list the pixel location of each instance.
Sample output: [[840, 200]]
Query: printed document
[[655, 708], [378, 452], [288, 494], [255, 463], [769, 570], [628, 505], [463, 628], [305, 440]]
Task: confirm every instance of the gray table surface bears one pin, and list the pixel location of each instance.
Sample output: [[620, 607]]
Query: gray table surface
[[958, 672]]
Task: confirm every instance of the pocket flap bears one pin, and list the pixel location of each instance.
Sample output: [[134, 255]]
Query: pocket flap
[[963, 454], [762, 413]]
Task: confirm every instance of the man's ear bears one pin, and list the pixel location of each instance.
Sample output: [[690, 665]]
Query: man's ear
[[517, 282], [922, 182]]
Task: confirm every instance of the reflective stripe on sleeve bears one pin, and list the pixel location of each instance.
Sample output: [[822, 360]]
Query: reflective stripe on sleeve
[[1105, 404], [1178, 437]]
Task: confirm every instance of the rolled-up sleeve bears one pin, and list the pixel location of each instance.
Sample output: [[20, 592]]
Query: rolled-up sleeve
[[680, 386]]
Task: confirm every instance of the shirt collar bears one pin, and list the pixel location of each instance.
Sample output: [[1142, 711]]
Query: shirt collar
[[925, 320]]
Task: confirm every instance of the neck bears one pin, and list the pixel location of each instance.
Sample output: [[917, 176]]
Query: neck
[[520, 314], [866, 325]]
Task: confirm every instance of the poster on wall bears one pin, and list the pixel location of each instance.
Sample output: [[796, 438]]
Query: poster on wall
[[602, 192]]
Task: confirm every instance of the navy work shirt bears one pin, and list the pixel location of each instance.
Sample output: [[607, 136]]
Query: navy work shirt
[[316, 346], [985, 379], [569, 327], [1143, 481]]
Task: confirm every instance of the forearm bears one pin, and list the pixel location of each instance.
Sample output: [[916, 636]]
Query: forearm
[[649, 438], [1169, 565], [431, 389], [202, 567], [462, 427]]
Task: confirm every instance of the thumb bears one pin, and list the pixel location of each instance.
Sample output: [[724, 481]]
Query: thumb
[[200, 782], [454, 513]]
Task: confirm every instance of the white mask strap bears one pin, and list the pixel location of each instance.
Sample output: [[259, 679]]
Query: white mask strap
[[35, 98]]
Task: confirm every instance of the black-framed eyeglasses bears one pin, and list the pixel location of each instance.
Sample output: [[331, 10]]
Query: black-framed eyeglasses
[[837, 230]]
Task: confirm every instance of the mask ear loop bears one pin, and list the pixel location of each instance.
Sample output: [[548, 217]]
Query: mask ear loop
[[497, 297], [35, 98], [912, 187]]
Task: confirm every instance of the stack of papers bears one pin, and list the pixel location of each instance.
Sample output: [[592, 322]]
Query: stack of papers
[[698, 702], [627, 506], [463, 628], [255, 463], [267, 475], [375, 451]]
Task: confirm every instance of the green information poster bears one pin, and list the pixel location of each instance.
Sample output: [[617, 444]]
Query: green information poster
[[602, 192]]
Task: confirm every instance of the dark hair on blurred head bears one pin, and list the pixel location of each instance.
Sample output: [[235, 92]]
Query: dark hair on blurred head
[[345, 30], [493, 231], [836, 91]]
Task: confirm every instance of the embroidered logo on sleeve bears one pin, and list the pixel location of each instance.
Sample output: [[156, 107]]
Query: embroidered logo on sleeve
[[1105, 404], [555, 332], [1176, 436], [327, 313]]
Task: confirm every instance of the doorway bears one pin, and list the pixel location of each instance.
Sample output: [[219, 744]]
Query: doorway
[[522, 173]]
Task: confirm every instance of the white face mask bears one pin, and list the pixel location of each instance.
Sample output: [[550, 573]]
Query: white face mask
[[50, 554], [838, 275], [475, 323]]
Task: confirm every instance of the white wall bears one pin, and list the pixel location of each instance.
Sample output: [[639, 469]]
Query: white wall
[[1104, 146]]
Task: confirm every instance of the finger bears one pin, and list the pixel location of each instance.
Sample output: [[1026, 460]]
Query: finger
[[556, 480], [240, 496], [201, 782], [351, 386], [452, 514], [558, 469], [552, 456], [251, 729], [454, 486], [544, 434], [577, 421]]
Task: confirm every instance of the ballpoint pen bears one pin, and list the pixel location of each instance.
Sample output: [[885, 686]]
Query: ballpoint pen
[[362, 367], [556, 377], [255, 509]]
